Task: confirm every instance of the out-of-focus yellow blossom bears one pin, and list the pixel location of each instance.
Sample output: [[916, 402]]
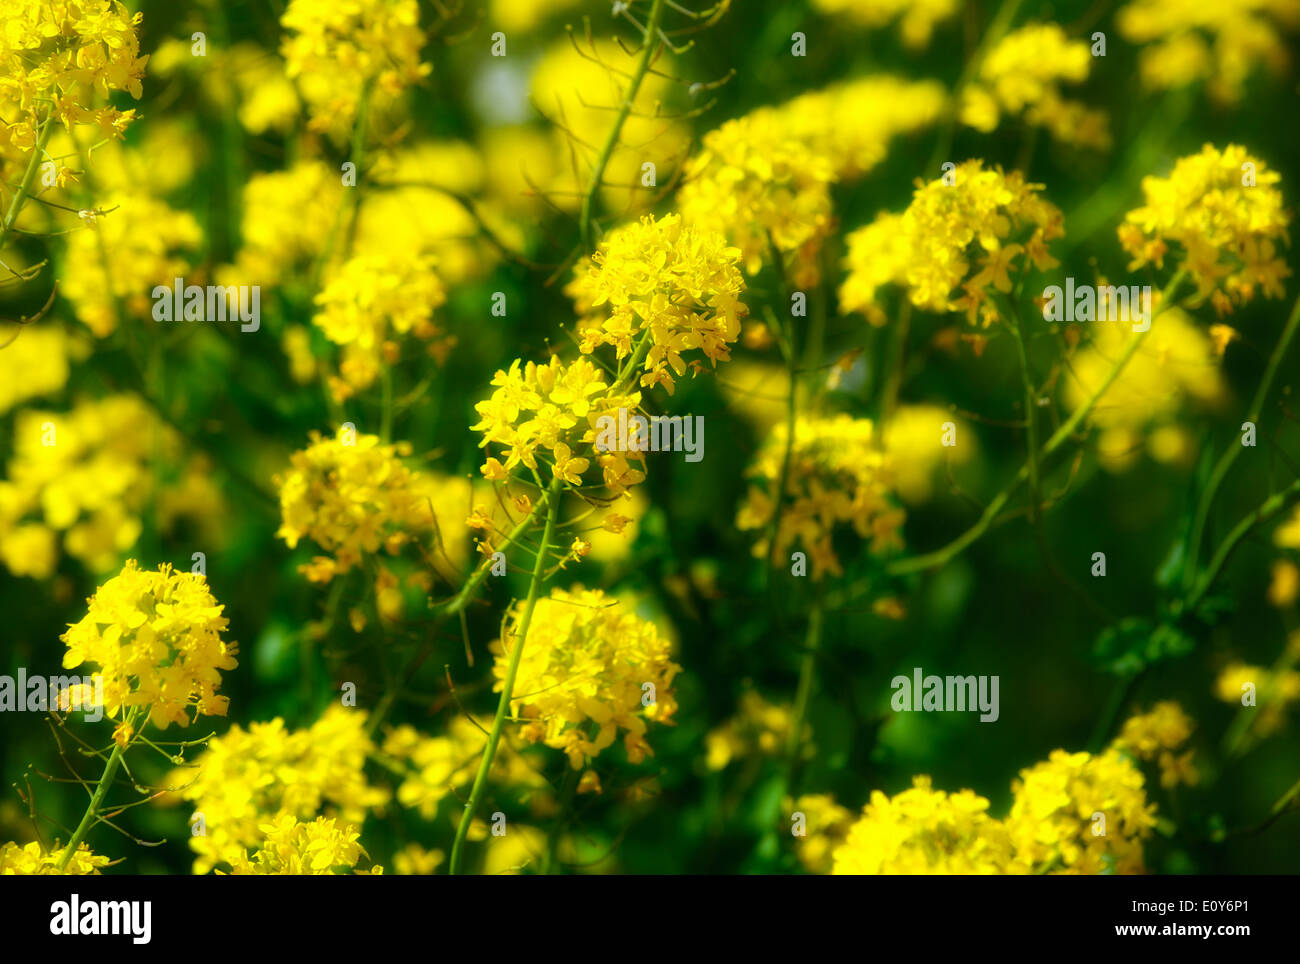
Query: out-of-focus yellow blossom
[[33, 361], [1271, 691], [370, 300], [520, 162], [335, 50], [916, 18], [116, 259], [414, 861], [678, 285], [523, 15], [612, 540], [352, 495], [837, 474], [913, 437], [925, 831], [967, 235], [1222, 43], [297, 349], [439, 764], [515, 851], [1053, 818], [257, 79], [1284, 587], [291, 848], [826, 824], [759, 727], [89, 474], [1223, 210], [287, 219], [156, 638], [759, 391], [30, 860], [245, 777], [1175, 365], [57, 57], [586, 666], [761, 187], [1155, 736], [1288, 533], [1021, 76], [579, 94]]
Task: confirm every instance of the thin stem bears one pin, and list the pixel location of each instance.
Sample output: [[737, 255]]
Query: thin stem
[[1270, 508], [25, 185], [1031, 422], [1229, 456], [97, 798], [650, 44], [508, 685]]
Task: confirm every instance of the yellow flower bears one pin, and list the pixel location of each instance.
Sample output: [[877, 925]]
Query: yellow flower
[[586, 659], [31, 859], [292, 848], [156, 637], [916, 17], [825, 826]]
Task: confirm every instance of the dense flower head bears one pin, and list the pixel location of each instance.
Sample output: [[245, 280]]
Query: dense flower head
[[267, 771], [352, 495], [761, 186], [916, 18], [925, 831], [1156, 735], [367, 303], [291, 847], [30, 860], [68, 52], [88, 474], [1174, 366], [118, 257], [1053, 816], [583, 673], [1221, 43], [1223, 210], [837, 474], [287, 217], [156, 637], [1022, 76], [336, 49], [678, 285], [962, 235]]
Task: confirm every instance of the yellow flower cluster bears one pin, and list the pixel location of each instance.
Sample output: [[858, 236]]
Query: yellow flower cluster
[[925, 831], [916, 18], [1055, 824], [825, 826], [837, 474], [995, 220], [287, 217], [761, 186], [1271, 691], [589, 669], [335, 50], [1220, 43], [62, 53], [30, 860], [246, 777], [156, 638], [292, 848], [1021, 76], [1175, 364], [1223, 209], [115, 262], [1155, 736], [677, 285], [438, 764], [33, 362], [767, 175], [351, 495], [759, 727], [89, 474], [369, 300]]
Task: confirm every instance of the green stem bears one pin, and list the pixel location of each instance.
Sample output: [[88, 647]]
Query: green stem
[[507, 687], [1224, 465], [1031, 421], [25, 185], [648, 48], [97, 798], [1270, 508]]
